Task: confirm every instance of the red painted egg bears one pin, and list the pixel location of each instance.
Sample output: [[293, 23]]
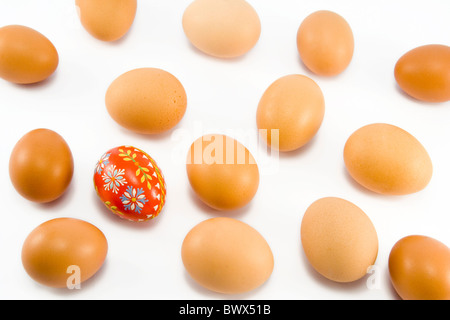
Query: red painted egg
[[130, 184]]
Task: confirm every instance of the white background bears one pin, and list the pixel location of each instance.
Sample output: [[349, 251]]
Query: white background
[[144, 259]]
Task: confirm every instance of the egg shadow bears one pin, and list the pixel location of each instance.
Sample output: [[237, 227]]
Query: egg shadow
[[203, 207], [354, 286], [37, 85], [61, 201], [111, 43], [66, 292], [308, 72], [298, 152], [166, 135], [370, 193], [119, 41], [209, 294], [97, 278], [358, 186], [417, 101], [205, 55], [114, 218], [305, 70], [391, 289]]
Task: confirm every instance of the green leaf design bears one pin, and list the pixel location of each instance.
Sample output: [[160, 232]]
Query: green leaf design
[[127, 156]]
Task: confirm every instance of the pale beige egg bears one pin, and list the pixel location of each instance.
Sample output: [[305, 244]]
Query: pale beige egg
[[222, 28]]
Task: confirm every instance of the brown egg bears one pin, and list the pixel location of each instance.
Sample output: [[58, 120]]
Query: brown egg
[[419, 268], [424, 74], [325, 43], [290, 112], [338, 239], [26, 56], [146, 100], [222, 172], [63, 251], [107, 20], [222, 28], [227, 256], [41, 166], [388, 160]]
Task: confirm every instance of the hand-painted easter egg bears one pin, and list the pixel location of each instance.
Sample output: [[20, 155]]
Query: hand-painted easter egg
[[130, 183]]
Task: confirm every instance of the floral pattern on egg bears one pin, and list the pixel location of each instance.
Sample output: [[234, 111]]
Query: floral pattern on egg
[[130, 184]]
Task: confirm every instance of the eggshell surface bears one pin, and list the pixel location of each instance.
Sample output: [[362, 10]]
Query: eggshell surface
[[130, 184], [222, 172], [325, 43], [222, 28], [56, 250], [424, 73], [107, 20], [290, 112], [387, 160], [419, 268], [26, 56], [41, 166], [227, 256], [146, 100], [338, 239]]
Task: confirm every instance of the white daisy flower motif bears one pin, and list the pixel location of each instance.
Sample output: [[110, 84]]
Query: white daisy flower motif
[[102, 163], [113, 179], [134, 199]]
